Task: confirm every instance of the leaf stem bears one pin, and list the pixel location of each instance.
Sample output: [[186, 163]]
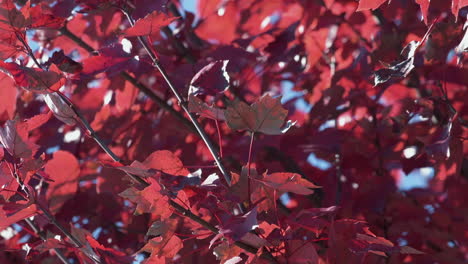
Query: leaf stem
[[220, 139], [249, 191]]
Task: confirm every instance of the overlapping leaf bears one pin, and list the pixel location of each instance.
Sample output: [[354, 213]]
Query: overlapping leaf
[[34, 79], [149, 25], [265, 116], [288, 182], [211, 79], [400, 68]]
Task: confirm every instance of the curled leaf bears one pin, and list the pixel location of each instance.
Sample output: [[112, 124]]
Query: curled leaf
[[60, 108], [211, 79], [400, 68]]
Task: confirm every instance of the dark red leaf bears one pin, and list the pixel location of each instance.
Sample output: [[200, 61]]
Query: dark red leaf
[[34, 79], [14, 137], [288, 182], [211, 79], [149, 25], [266, 116], [198, 106]]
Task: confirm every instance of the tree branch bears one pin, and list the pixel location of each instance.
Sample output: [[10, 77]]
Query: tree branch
[[267, 255], [147, 91], [184, 104], [41, 235]]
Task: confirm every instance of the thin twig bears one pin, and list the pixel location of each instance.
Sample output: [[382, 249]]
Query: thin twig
[[45, 211], [41, 235], [147, 91], [184, 104], [267, 255], [54, 221]]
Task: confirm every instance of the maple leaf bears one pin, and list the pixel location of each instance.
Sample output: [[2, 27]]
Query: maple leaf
[[62, 188], [288, 182], [149, 200], [108, 255], [369, 4], [60, 109], [8, 98], [34, 79], [196, 105], [304, 252], [211, 79], [160, 247], [14, 137], [225, 252], [23, 211], [265, 116], [236, 227], [149, 25], [12, 19], [112, 59], [400, 68], [166, 162], [64, 63]]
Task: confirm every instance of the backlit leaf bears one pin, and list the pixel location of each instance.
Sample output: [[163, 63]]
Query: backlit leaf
[[266, 116]]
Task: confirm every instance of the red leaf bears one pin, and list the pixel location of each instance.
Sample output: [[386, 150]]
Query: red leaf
[[288, 182], [226, 252], [110, 59], [211, 79], [43, 17], [457, 5], [8, 95], [369, 4], [64, 170], [108, 255], [400, 68], [303, 252], [265, 116], [60, 109], [149, 25], [424, 4], [34, 79], [37, 121], [198, 106], [149, 200], [237, 226], [64, 63], [7, 218], [12, 19], [167, 248], [136, 168], [166, 162], [14, 137]]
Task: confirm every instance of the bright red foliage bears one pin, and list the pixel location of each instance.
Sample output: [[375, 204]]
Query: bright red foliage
[[299, 131]]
